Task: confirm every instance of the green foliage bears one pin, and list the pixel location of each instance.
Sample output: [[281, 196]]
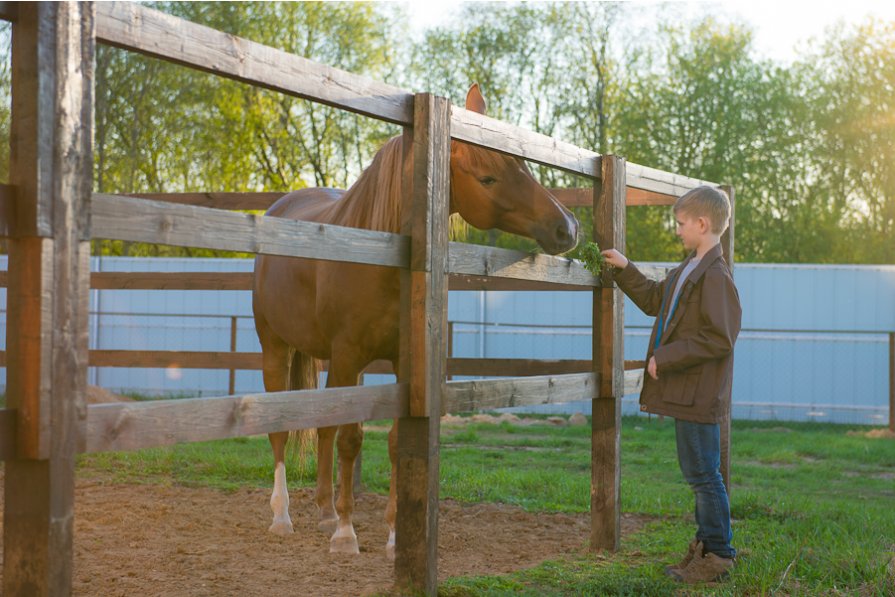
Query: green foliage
[[809, 147], [589, 253]]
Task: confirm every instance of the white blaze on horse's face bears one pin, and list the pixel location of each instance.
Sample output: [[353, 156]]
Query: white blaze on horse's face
[[492, 190]]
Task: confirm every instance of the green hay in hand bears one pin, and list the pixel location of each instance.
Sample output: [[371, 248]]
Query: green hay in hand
[[593, 259]]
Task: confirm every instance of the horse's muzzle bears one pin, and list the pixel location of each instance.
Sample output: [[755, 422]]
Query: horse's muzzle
[[559, 236]]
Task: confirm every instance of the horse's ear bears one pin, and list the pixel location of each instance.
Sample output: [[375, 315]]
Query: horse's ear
[[474, 100]]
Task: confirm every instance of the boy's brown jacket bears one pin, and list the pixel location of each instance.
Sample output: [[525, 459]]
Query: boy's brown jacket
[[695, 356]]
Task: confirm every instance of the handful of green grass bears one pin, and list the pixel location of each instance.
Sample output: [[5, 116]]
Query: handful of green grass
[[593, 259]]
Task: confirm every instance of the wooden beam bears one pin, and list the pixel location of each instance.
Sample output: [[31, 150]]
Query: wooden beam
[[245, 201], [135, 27], [608, 351], [660, 181], [178, 359], [7, 434], [7, 198], [424, 292], [490, 394], [471, 282], [475, 260], [49, 266], [138, 425], [142, 220], [727, 245], [171, 280], [583, 197], [524, 367], [9, 11], [483, 131]]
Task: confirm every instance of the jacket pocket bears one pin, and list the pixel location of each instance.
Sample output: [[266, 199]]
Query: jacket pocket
[[682, 390]]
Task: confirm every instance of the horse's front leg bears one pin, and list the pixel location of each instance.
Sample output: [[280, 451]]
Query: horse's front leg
[[391, 509], [350, 439], [279, 498], [326, 506]]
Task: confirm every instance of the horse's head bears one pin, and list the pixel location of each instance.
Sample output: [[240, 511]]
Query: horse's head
[[493, 190]]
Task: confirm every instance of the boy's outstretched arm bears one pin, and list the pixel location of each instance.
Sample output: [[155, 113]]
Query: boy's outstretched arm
[[615, 258], [646, 293]]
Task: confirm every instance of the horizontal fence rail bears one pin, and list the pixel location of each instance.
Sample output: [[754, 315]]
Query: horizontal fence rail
[[492, 262], [140, 220], [136, 425]]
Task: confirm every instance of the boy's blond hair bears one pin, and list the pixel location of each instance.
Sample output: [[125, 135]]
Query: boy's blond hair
[[706, 202]]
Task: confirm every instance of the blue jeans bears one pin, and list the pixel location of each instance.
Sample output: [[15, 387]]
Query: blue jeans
[[699, 455]]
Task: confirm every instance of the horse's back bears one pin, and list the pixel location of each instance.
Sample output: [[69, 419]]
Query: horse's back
[[309, 204]]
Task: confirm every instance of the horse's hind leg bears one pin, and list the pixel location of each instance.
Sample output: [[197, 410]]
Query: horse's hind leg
[[275, 365], [344, 372], [324, 498]]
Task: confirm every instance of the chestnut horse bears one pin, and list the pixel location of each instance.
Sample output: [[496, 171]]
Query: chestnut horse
[[307, 310]]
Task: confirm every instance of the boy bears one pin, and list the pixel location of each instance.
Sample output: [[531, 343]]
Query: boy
[[690, 367]]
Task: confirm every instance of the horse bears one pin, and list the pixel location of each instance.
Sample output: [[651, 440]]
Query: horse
[[307, 310]]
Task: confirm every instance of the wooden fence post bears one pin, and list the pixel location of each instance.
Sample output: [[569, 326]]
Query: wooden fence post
[[422, 361], [49, 279], [892, 382], [608, 362], [727, 241]]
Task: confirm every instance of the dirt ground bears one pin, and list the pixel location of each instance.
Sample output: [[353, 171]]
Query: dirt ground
[[158, 540]]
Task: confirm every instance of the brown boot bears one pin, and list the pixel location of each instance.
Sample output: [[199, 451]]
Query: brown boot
[[691, 553], [708, 568]]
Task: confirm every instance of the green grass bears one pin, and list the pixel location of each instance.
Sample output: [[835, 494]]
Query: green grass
[[812, 505]]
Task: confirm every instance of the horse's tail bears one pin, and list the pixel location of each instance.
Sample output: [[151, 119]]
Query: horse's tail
[[303, 374]]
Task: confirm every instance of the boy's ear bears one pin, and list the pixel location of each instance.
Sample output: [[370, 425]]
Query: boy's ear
[[704, 224]]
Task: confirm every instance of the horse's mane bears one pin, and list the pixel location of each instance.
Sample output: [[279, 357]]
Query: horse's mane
[[374, 200]]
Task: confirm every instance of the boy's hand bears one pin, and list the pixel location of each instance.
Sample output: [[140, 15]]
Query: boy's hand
[[615, 258], [652, 369]]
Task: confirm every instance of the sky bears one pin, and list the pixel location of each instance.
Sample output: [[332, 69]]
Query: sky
[[779, 25]]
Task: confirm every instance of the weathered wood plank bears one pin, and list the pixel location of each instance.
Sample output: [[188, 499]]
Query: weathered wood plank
[[475, 260], [248, 201], [180, 359], [142, 220], [727, 245], [892, 382], [7, 434], [170, 280], [468, 282], [608, 351], [523, 367], [7, 196], [51, 169], [660, 181], [135, 27], [424, 303], [488, 394], [481, 130], [583, 197], [9, 11], [137, 425]]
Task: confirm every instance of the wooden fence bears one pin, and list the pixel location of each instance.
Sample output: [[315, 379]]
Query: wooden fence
[[50, 215]]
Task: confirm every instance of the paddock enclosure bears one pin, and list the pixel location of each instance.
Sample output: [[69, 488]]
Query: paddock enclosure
[[49, 215]]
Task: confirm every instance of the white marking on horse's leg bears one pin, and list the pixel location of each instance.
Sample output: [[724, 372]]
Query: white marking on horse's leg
[[279, 503], [344, 540], [390, 545]]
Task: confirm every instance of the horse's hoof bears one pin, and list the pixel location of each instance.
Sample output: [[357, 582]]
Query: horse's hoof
[[346, 545], [328, 525], [281, 527], [390, 546], [344, 541]]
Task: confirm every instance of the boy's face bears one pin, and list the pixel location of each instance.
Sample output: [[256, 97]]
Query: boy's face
[[690, 230]]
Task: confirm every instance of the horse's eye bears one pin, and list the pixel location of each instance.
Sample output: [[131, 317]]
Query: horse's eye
[[487, 180]]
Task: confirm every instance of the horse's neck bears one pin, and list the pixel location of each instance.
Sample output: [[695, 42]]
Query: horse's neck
[[374, 200]]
